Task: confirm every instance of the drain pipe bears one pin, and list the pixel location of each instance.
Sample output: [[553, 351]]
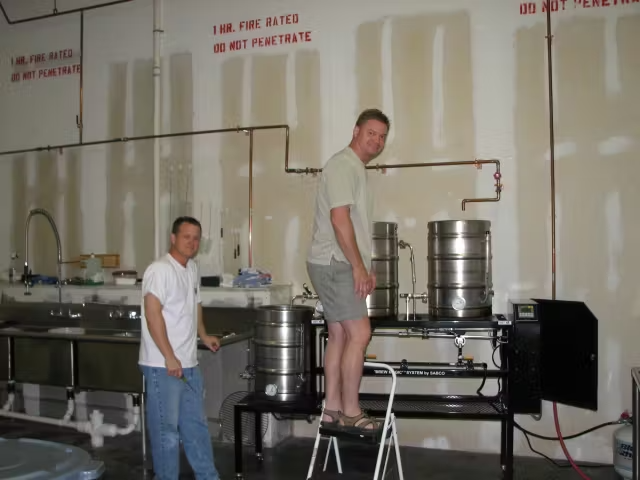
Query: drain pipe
[[71, 404], [157, 119], [11, 388], [94, 427]]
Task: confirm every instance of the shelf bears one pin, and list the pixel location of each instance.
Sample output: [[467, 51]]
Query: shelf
[[471, 407], [452, 407]]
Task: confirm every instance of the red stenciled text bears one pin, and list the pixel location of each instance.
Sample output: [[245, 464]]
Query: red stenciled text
[[255, 25], [530, 8], [43, 68]]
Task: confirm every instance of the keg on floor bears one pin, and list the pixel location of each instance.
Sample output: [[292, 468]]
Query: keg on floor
[[282, 362], [383, 301], [460, 283]]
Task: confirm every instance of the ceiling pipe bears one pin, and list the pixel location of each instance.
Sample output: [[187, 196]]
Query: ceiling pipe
[[57, 13]]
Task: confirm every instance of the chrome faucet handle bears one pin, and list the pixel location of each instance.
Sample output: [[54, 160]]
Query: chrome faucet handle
[[306, 289]]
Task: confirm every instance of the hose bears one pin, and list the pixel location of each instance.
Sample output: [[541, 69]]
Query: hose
[[564, 447]]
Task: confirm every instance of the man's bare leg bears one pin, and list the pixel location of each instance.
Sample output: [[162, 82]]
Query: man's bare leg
[[358, 335], [332, 364]]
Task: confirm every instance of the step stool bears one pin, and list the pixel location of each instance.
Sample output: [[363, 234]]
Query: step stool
[[388, 433]]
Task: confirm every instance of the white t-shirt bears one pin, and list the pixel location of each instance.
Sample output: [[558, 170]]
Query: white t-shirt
[[178, 289]]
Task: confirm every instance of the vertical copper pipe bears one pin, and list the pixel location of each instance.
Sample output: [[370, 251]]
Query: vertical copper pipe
[[553, 219], [552, 160], [250, 252], [81, 114], [286, 150]]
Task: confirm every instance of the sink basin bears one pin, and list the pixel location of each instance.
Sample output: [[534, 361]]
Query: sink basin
[[11, 329], [67, 330]]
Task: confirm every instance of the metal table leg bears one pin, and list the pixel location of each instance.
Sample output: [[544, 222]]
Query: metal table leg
[[258, 434], [237, 433], [508, 460], [503, 442]]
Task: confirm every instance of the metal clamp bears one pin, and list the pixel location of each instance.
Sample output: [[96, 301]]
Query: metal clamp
[[307, 295]]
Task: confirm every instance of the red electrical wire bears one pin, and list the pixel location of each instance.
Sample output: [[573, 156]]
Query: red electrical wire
[[564, 447]]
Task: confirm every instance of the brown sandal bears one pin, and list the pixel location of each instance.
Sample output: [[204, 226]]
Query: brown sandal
[[359, 424], [335, 419]]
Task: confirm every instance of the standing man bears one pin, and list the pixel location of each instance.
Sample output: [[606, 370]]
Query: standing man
[[339, 267], [171, 319]]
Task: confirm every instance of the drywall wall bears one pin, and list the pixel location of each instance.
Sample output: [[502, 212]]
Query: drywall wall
[[460, 80]]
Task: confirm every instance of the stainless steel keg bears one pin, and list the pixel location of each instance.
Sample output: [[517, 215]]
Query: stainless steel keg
[[460, 283], [383, 301], [282, 362]]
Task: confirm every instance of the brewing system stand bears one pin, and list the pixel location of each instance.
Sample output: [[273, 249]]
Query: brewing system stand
[[498, 329]]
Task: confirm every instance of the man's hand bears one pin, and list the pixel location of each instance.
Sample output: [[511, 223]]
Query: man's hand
[[213, 343], [361, 282], [174, 367]]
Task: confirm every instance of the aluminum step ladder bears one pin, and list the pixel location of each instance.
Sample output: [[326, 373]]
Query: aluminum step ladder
[[387, 436]]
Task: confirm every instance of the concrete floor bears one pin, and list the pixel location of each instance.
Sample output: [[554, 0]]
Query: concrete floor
[[123, 460]]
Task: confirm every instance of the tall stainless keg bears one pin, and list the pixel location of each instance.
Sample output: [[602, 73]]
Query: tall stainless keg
[[282, 362], [460, 281], [383, 301]]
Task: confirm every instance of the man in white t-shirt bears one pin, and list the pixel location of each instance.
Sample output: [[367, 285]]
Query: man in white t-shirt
[[171, 321]]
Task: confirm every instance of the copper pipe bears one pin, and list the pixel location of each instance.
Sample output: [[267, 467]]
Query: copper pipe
[[552, 159], [147, 137], [57, 13], [249, 130], [477, 163], [250, 252], [80, 120]]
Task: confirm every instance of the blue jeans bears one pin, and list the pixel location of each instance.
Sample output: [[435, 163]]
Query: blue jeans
[[175, 412]]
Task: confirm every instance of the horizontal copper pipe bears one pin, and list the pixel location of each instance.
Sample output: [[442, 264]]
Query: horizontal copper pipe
[[57, 13], [49, 148], [477, 163]]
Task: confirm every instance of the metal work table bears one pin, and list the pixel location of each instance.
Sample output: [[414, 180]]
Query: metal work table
[[452, 407]]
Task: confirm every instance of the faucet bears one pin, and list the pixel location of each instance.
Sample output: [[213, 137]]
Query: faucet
[[402, 244], [47, 215]]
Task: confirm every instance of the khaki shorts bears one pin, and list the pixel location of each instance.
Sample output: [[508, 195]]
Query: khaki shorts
[[334, 285]]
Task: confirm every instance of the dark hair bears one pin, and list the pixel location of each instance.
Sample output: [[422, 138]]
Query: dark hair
[[373, 114], [177, 223]]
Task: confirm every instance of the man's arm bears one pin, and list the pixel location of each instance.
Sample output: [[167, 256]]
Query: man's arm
[[346, 236], [157, 326], [202, 332], [213, 343]]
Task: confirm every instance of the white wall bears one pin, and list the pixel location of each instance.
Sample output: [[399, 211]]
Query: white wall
[[460, 80]]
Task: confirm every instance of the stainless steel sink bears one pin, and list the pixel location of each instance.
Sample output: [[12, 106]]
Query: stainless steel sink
[[67, 330]]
